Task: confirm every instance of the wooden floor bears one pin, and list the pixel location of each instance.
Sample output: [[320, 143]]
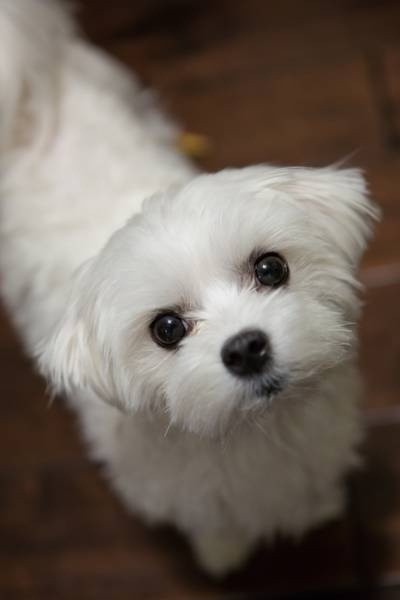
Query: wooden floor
[[306, 82]]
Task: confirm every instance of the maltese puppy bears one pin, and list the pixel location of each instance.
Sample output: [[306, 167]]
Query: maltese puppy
[[203, 326]]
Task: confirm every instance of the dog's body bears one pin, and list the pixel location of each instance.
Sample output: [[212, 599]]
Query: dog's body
[[183, 440]]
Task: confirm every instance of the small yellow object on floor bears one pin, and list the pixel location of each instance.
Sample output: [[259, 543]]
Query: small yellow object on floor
[[194, 145]]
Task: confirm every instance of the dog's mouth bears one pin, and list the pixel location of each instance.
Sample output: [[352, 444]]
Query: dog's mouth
[[260, 393], [267, 386]]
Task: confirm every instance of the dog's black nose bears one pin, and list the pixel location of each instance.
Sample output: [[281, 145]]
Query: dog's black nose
[[246, 353]]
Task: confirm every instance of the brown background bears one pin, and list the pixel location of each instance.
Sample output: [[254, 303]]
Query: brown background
[[305, 82]]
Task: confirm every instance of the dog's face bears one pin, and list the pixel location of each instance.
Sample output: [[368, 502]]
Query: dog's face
[[220, 297]]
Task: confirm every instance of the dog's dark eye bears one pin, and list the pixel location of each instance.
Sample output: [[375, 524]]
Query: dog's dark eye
[[271, 270], [168, 329]]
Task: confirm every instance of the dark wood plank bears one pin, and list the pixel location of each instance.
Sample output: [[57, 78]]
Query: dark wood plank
[[380, 346], [282, 106], [376, 492], [391, 70]]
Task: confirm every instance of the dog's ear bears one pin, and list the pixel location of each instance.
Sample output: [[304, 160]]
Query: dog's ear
[[71, 356], [337, 203]]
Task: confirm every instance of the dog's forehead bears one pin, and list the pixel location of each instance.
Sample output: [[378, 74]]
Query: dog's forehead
[[230, 220], [208, 233]]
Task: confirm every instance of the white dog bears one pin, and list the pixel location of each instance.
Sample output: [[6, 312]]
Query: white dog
[[203, 326]]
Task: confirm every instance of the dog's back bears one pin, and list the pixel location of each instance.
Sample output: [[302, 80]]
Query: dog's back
[[34, 35], [81, 145]]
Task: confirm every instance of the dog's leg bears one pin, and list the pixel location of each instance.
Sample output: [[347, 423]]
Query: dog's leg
[[221, 552]]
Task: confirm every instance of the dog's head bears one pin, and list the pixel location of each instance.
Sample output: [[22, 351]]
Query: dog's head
[[219, 297]]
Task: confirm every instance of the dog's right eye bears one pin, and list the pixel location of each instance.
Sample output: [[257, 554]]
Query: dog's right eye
[[168, 329]]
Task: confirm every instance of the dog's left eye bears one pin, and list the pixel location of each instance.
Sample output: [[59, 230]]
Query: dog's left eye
[[271, 269], [168, 329]]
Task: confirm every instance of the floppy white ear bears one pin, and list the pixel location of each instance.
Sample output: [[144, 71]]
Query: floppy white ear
[[338, 204], [70, 357]]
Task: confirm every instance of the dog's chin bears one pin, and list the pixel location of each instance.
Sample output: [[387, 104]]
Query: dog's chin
[[219, 419]]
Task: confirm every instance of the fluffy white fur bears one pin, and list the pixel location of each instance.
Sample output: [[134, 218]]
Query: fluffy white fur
[[104, 224]]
